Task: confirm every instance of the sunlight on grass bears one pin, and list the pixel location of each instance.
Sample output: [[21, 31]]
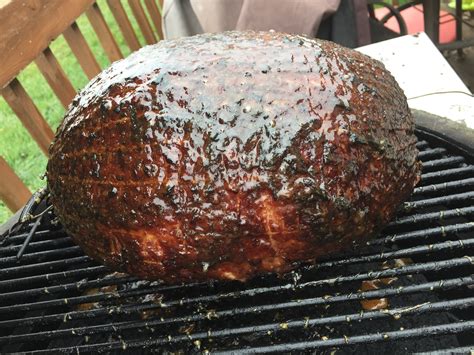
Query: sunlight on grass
[[16, 146]]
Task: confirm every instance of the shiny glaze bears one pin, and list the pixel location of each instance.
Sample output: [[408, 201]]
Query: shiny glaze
[[223, 156]]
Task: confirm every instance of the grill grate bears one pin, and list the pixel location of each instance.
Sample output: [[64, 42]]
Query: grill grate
[[413, 282]]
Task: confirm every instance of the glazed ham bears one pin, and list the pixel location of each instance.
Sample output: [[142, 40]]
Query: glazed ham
[[229, 155]]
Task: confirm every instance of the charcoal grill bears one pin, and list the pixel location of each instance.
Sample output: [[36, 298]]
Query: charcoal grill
[[409, 290]]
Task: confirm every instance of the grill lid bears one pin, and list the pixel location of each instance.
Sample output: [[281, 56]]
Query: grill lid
[[411, 289]]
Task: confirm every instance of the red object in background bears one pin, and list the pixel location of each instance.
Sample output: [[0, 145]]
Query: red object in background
[[413, 17]]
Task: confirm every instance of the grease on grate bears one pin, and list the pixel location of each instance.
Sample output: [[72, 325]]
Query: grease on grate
[[376, 284], [95, 291]]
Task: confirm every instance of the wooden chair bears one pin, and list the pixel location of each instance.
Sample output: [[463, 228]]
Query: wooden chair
[[28, 28]]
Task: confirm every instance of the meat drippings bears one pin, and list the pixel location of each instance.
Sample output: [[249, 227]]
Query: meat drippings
[[376, 284]]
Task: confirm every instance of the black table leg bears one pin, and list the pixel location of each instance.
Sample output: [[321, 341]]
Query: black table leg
[[459, 24], [431, 19]]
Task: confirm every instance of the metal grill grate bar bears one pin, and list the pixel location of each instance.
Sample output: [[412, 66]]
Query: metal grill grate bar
[[463, 350], [27, 281], [44, 235], [79, 286], [447, 174], [404, 270], [303, 302], [421, 145], [425, 233], [431, 153], [451, 328], [442, 329], [39, 246], [465, 198], [444, 187], [440, 216], [443, 163], [42, 267], [32, 257], [449, 245], [408, 252], [90, 330]]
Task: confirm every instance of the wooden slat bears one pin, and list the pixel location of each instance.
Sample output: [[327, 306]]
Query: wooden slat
[[18, 99], [13, 191], [124, 23], [54, 74], [108, 42], [28, 26], [81, 50], [155, 16], [139, 14]]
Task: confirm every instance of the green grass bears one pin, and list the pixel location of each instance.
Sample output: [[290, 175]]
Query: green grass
[[400, 2], [16, 145]]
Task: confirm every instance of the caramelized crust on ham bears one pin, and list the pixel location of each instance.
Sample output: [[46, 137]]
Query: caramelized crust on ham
[[229, 155]]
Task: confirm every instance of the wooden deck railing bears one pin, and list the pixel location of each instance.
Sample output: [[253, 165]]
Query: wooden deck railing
[[27, 28]]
